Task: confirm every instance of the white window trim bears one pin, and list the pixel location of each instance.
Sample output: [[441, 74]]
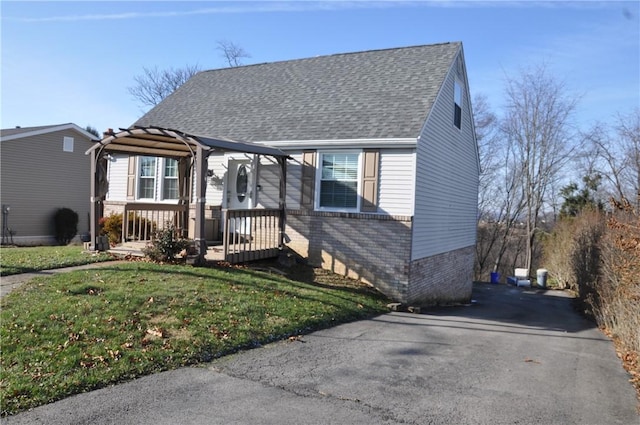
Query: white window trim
[[163, 180], [318, 182], [139, 177], [67, 144]]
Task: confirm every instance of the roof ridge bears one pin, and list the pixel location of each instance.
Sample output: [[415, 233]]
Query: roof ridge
[[334, 55]]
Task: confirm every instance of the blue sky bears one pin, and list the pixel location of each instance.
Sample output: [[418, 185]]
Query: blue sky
[[72, 61]]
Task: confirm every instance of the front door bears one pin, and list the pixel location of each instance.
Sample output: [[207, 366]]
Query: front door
[[240, 192]]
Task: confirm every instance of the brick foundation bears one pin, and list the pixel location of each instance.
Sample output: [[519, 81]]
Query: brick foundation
[[442, 279], [368, 247]]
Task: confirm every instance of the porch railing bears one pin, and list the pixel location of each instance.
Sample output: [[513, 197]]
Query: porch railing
[[251, 234], [140, 220]]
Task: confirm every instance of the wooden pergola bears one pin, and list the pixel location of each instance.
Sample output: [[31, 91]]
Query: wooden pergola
[[191, 152]]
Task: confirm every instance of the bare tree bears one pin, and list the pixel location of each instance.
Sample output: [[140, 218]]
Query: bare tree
[[628, 128], [485, 125], [614, 153], [153, 85], [489, 216], [537, 127], [500, 199], [232, 53], [604, 156]]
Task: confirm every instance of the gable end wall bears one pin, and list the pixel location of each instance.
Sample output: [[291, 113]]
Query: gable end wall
[[444, 231], [38, 177]]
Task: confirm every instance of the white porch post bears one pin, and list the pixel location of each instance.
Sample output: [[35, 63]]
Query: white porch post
[[201, 188], [282, 162]]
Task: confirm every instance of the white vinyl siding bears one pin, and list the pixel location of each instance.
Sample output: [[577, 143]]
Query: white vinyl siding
[[446, 180], [396, 181], [268, 183], [397, 177], [217, 167], [117, 176]]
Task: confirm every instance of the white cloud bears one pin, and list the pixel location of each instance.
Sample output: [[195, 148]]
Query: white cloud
[[237, 8], [270, 6]]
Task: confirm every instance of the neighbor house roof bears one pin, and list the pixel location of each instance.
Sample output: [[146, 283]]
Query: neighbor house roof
[[7, 134], [377, 94]]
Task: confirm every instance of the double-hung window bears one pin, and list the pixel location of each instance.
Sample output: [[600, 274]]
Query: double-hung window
[[338, 181], [146, 177], [170, 179]]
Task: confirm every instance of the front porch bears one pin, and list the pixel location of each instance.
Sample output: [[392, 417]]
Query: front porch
[[246, 235], [237, 235]]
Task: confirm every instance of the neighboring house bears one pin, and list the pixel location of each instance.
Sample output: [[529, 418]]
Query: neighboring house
[[42, 169], [382, 179]]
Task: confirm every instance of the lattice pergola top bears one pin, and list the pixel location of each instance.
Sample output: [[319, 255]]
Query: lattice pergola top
[[157, 141]]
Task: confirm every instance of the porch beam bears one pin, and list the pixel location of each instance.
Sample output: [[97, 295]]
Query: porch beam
[[150, 143], [147, 151]]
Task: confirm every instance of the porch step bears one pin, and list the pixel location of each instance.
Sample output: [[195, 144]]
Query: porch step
[[125, 252]]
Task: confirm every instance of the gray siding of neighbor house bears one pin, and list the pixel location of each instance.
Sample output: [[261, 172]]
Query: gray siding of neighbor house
[[38, 177], [447, 178]]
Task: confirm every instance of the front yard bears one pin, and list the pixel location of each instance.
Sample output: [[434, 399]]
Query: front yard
[[79, 331], [15, 260]]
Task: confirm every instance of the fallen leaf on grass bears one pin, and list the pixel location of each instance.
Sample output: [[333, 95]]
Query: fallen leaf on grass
[[160, 333]]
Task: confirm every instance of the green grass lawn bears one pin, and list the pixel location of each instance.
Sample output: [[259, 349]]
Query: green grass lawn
[[79, 331], [15, 260]]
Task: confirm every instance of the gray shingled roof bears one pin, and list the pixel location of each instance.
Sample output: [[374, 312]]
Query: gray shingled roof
[[375, 94], [19, 130]]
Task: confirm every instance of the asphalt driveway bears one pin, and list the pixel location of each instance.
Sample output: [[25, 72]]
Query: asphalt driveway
[[514, 356]]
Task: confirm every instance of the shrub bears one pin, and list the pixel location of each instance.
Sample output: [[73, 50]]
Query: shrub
[[66, 225], [572, 251], [600, 260], [111, 226], [617, 306], [558, 251], [165, 245]]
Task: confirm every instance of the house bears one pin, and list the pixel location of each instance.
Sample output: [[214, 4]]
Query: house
[[42, 169], [382, 176]]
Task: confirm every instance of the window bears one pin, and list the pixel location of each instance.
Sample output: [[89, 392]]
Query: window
[[147, 177], [457, 100], [170, 179], [338, 181], [67, 144]]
